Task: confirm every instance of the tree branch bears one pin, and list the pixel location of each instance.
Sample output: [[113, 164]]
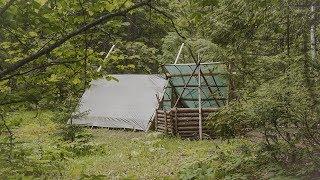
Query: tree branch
[[6, 7], [39, 67], [58, 43], [170, 19]]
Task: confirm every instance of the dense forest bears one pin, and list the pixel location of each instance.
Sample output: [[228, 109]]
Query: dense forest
[[50, 50]]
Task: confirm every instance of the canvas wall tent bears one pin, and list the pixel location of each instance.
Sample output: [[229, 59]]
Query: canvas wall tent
[[129, 103]]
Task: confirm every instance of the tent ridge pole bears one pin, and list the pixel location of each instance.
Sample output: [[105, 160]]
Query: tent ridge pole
[[111, 49], [178, 55]]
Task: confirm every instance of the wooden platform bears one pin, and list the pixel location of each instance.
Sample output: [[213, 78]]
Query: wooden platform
[[183, 122]]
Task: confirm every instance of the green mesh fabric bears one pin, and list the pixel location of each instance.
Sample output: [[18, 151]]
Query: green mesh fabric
[[214, 85]]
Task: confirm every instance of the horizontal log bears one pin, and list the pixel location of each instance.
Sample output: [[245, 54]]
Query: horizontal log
[[160, 127], [184, 123], [168, 117], [191, 114], [187, 128], [191, 123], [161, 115], [204, 119], [190, 127], [163, 128], [161, 123], [206, 99], [162, 111], [196, 109], [179, 119]]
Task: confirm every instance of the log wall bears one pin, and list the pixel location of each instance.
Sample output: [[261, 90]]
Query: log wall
[[182, 122]]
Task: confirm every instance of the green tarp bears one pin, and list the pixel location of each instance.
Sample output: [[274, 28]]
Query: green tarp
[[214, 85]]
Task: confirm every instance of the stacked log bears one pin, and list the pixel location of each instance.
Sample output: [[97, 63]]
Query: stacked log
[[183, 122], [164, 122], [188, 122]]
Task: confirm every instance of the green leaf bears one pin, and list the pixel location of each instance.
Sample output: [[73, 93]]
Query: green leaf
[[109, 78], [90, 13], [41, 2], [3, 86], [53, 78], [76, 81], [5, 45], [33, 34]]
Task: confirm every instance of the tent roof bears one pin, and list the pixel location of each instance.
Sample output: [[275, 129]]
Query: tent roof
[[214, 84], [128, 103]]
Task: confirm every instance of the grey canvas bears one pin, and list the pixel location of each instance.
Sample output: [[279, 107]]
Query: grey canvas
[[128, 103]]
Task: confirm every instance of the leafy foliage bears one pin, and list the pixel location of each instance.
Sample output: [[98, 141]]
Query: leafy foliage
[[38, 149], [238, 159], [265, 43]]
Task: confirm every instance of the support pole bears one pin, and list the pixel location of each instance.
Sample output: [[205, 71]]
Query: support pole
[[156, 121], [178, 55], [165, 122], [185, 86], [199, 103], [312, 33], [111, 49], [176, 132]]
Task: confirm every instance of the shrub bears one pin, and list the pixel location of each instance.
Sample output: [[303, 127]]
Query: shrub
[[236, 159]]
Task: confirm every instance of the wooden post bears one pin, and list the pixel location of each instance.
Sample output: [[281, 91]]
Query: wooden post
[[199, 106], [176, 121], [165, 123], [156, 121]]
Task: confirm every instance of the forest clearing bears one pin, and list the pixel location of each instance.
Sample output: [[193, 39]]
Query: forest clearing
[[123, 154], [159, 89]]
